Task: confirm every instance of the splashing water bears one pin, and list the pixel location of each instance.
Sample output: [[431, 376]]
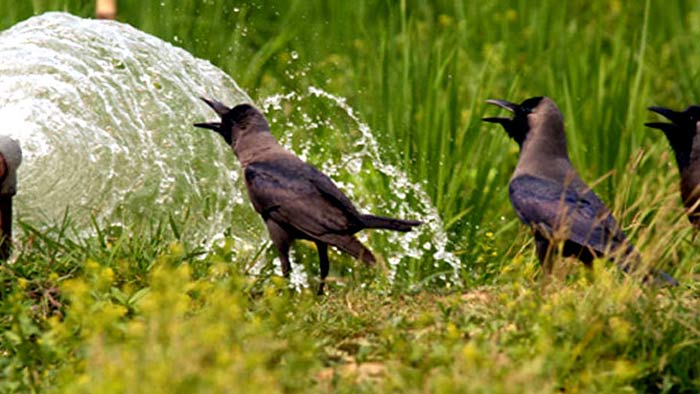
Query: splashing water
[[104, 114], [345, 149]]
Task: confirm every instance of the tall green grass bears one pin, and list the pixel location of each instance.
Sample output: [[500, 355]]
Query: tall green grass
[[418, 73]]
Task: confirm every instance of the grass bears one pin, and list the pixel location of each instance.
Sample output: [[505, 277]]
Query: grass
[[175, 323], [131, 308]]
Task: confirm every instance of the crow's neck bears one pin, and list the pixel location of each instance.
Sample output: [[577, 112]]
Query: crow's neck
[[543, 154], [255, 146], [688, 152], [688, 159]]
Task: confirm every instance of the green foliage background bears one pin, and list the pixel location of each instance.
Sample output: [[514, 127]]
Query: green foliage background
[[125, 312]]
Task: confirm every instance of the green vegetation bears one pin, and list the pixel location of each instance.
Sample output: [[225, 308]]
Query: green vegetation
[[142, 310]]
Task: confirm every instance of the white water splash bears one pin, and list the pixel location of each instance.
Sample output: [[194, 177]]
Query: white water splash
[[104, 115]]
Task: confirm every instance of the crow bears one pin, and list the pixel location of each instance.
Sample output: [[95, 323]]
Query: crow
[[682, 135], [295, 200], [10, 160], [549, 196]]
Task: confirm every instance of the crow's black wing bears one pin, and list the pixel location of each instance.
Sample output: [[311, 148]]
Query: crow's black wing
[[294, 193], [580, 215]]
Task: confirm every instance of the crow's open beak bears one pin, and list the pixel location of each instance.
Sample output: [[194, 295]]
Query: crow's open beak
[[220, 109], [512, 107], [669, 114]]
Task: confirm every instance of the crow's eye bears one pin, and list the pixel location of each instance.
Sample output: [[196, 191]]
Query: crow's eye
[[530, 104], [525, 110]]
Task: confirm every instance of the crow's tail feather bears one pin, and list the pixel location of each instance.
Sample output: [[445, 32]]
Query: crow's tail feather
[[352, 246], [371, 221], [662, 278], [631, 262]]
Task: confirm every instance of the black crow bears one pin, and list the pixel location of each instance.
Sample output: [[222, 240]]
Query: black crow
[[682, 134]]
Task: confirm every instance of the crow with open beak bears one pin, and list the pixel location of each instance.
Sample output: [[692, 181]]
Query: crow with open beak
[[295, 200], [549, 196]]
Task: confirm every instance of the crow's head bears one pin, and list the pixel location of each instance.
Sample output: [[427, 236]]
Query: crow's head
[[517, 126], [680, 132], [234, 121]]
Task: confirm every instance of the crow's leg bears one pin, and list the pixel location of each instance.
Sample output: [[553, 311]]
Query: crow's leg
[[544, 252], [325, 264], [352, 246], [281, 238]]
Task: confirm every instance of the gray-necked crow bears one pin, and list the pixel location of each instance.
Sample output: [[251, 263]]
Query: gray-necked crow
[[549, 196], [296, 200]]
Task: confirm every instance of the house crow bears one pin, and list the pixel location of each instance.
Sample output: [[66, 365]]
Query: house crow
[[549, 196], [682, 134], [296, 200]]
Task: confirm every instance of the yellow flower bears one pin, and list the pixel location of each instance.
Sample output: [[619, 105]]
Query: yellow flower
[[445, 20], [452, 331], [176, 249], [620, 329], [91, 265], [470, 352], [624, 369]]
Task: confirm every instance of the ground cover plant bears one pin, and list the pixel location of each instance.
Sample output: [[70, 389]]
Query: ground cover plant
[[141, 308]]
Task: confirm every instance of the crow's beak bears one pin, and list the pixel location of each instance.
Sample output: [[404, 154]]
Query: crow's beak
[[512, 107], [671, 115], [220, 109]]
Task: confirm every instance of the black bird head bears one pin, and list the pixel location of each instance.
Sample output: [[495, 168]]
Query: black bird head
[[234, 120], [680, 132], [517, 127]]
